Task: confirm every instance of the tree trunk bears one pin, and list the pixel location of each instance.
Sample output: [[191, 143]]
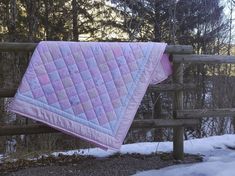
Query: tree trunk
[[158, 133], [12, 20], [31, 7], [157, 27], [75, 19], [46, 26], [230, 27]]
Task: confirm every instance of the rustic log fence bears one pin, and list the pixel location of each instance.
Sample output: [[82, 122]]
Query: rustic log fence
[[180, 54]]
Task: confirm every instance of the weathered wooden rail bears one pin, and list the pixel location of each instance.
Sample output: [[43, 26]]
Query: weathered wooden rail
[[29, 47], [181, 118], [158, 88], [199, 113], [6, 130]]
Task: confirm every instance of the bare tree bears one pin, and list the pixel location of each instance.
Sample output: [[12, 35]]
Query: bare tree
[[230, 6], [75, 19]]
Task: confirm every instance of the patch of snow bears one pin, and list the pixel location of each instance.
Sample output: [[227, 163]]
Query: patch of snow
[[203, 169], [1, 158], [195, 146], [219, 167], [218, 160]]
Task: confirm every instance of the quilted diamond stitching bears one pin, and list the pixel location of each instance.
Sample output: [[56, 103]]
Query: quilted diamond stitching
[[108, 57], [102, 88], [117, 90], [115, 103], [90, 55], [67, 82], [123, 99], [46, 88], [115, 87], [83, 86]]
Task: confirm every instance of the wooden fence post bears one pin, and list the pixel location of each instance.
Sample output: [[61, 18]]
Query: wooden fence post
[[178, 132]]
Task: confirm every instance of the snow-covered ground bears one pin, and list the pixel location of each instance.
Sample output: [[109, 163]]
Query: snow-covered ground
[[205, 146], [1, 156], [216, 165], [219, 160]]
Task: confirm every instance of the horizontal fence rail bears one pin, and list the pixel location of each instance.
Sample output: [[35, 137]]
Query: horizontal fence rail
[[161, 123], [10, 92], [200, 113], [204, 59], [182, 53], [172, 87], [6, 130], [29, 47]]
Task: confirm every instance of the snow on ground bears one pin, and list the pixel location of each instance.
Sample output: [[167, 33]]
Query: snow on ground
[[219, 160], [1, 158], [203, 146], [219, 168]]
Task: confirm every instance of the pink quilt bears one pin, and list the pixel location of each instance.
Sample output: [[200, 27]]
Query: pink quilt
[[91, 90]]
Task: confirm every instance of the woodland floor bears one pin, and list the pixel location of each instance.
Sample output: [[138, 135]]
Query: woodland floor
[[120, 165]]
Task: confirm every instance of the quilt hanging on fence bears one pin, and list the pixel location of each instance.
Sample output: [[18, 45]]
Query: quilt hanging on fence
[[91, 90]]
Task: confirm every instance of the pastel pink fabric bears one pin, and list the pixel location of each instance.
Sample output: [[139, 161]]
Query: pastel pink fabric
[[91, 90]]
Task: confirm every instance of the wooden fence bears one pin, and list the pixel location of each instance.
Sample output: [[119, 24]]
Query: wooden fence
[[180, 54]]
